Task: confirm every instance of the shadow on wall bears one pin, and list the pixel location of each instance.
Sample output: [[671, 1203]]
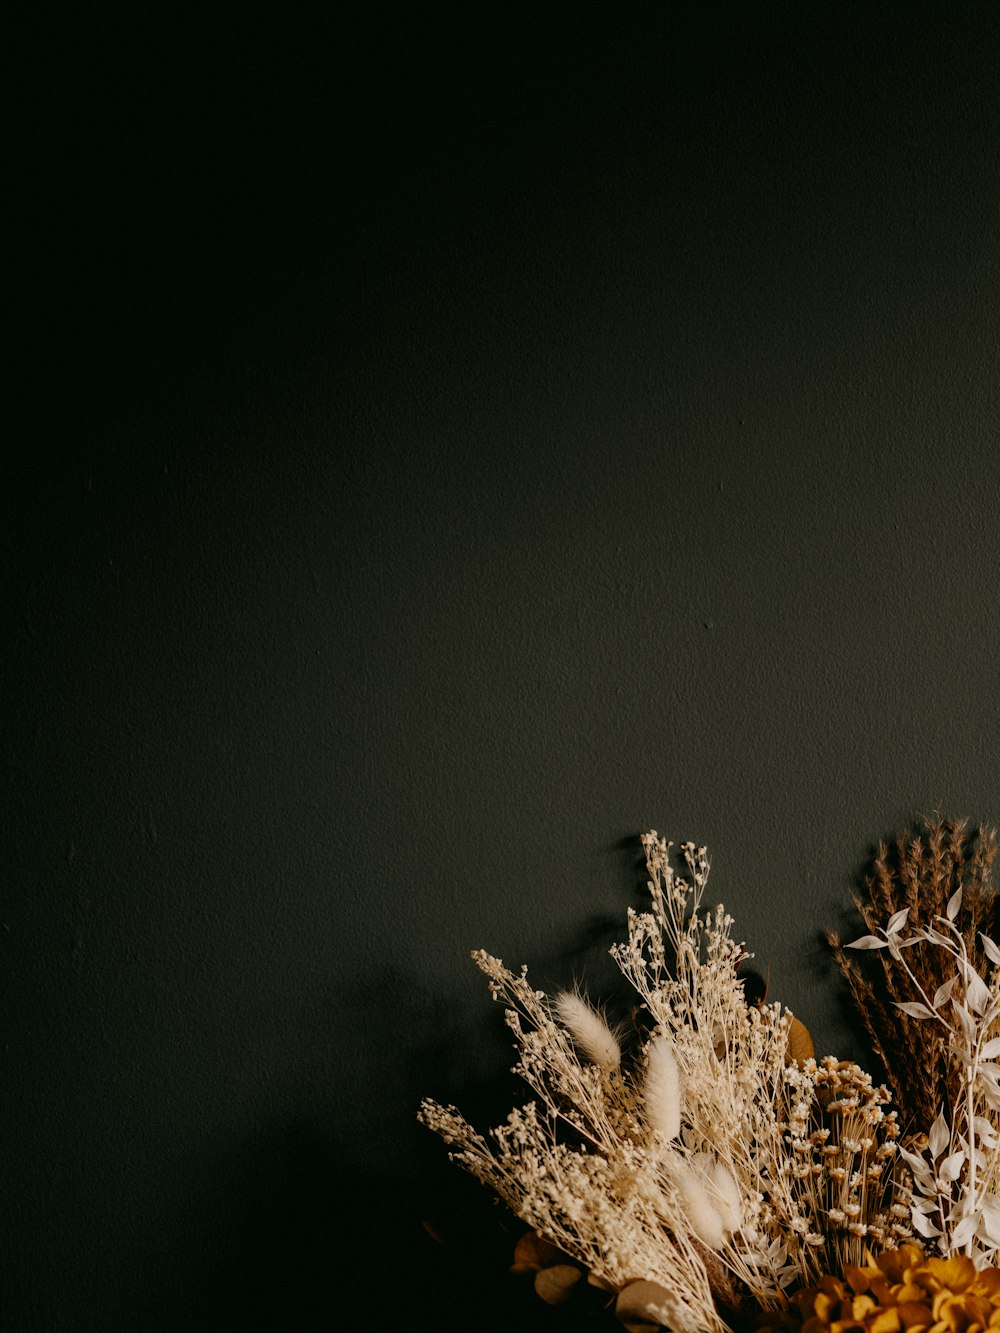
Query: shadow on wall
[[319, 1222], [293, 1240]]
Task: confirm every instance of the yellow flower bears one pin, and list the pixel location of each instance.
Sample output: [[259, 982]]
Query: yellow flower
[[901, 1291]]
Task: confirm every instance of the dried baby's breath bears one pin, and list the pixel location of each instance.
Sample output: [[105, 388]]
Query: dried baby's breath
[[717, 1168]]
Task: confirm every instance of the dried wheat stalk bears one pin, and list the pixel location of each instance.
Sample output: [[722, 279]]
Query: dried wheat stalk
[[920, 871]]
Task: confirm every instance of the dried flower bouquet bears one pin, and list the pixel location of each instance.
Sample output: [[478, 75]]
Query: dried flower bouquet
[[716, 1172]]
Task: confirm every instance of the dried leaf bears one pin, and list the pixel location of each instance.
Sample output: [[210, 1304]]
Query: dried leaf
[[938, 1136], [964, 1232], [594, 1281], [533, 1252], [989, 948], [800, 1044], [556, 1284], [526, 1254], [976, 991], [991, 1219], [897, 921], [965, 1020], [866, 942], [951, 1166], [644, 1307], [954, 905], [917, 1165], [923, 1226], [914, 1009]]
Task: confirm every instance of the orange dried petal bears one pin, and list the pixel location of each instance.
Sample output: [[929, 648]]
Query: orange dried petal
[[832, 1286], [977, 1307], [886, 1321], [825, 1306], [955, 1313], [956, 1272], [915, 1314], [908, 1291]]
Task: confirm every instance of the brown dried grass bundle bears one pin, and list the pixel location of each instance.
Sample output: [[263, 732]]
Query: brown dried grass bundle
[[921, 871]]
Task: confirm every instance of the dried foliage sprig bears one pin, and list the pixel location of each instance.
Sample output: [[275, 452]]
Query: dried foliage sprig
[[956, 1164], [920, 873], [710, 1173]]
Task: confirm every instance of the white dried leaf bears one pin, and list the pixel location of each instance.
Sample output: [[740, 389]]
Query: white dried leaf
[[989, 1226], [991, 1048], [867, 942], [966, 1021], [923, 1226], [944, 992], [976, 991], [989, 948], [954, 905], [965, 1231], [897, 921], [914, 1009], [939, 1136], [919, 1167], [951, 1166]]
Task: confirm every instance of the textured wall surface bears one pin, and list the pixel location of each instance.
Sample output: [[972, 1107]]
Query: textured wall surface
[[455, 439]]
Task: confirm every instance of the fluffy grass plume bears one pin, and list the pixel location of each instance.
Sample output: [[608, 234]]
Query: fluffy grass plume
[[662, 1089], [588, 1029]]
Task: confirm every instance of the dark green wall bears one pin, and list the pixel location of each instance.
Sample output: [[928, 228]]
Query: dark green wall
[[454, 440]]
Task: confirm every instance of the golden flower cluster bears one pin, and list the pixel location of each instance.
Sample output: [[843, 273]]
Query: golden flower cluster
[[902, 1291], [841, 1142]]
